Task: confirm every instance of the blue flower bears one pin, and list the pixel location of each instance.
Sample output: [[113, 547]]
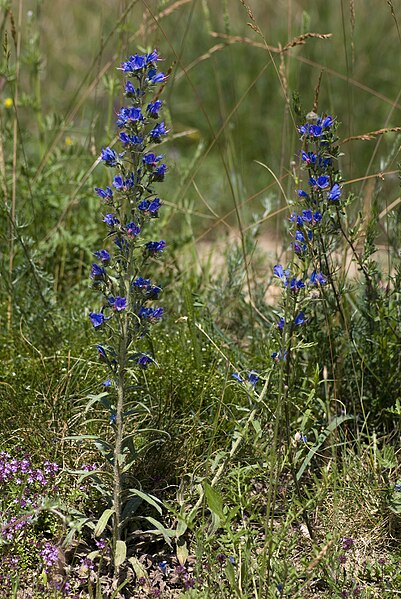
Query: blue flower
[[317, 278], [102, 353], [118, 303], [158, 132], [307, 216], [132, 230], [159, 173], [106, 194], [107, 383], [280, 272], [294, 285], [151, 314], [127, 116], [152, 57], [133, 64], [96, 319], [163, 566], [327, 122], [150, 159], [150, 207], [155, 77], [153, 108], [281, 323], [109, 156], [321, 182], [124, 185], [134, 140], [300, 319], [97, 272], [143, 360], [103, 255], [130, 89], [309, 157], [154, 247], [302, 194], [253, 378], [111, 220], [335, 193]]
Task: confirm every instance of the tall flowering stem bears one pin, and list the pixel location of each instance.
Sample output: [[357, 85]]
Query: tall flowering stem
[[120, 273], [314, 226]]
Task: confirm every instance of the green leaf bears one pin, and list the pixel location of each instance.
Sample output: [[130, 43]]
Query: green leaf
[[102, 522], [120, 553], [182, 552], [167, 533], [94, 398], [151, 499], [321, 439], [140, 572], [214, 500]]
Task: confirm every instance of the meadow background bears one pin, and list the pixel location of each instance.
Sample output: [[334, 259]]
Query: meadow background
[[241, 79]]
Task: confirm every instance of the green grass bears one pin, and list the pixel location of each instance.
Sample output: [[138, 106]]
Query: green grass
[[221, 459]]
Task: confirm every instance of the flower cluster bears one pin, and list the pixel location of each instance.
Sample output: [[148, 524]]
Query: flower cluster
[[130, 204], [312, 216], [20, 480]]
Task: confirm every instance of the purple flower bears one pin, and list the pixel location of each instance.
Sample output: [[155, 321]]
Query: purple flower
[[107, 383], [281, 323], [237, 377], [119, 303], [347, 543], [49, 555], [335, 193]]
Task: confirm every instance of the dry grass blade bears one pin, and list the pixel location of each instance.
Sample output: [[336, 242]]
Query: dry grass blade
[[300, 40], [371, 134]]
